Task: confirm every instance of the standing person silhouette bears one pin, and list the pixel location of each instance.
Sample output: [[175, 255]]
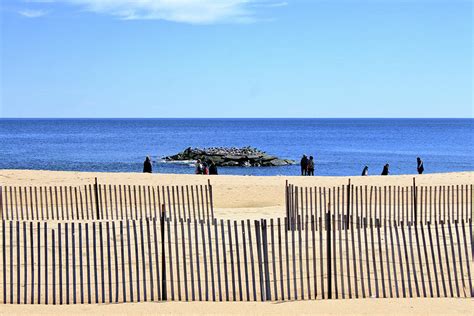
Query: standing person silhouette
[[310, 166], [198, 167], [213, 168], [385, 171], [419, 165], [304, 165], [147, 166], [365, 171]]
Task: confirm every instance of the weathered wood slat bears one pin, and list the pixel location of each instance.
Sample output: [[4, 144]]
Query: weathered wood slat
[[211, 259], [306, 239], [315, 278], [142, 239], [359, 227], [366, 244], [191, 267], [73, 247], [25, 268], [237, 249], [130, 265], [206, 274], [231, 254], [224, 256], [122, 256], [170, 256], [268, 295], [198, 265], [183, 249], [346, 235], [176, 246], [254, 285], [216, 236]]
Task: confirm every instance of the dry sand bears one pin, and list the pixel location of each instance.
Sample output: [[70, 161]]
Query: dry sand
[[334, 307]]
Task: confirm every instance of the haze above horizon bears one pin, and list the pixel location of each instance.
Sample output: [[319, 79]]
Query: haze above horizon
[[236, 59]]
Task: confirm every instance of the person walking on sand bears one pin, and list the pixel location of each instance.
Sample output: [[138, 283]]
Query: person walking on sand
[[365, 171], [310, 171], [147, 167], [385, 171], [304, 165], [419, 165]]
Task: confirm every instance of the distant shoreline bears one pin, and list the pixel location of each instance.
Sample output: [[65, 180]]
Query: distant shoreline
[[235, 175]]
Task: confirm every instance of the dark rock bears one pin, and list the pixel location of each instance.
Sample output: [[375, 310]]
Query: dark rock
[[234, 157], [278, 162], [231, 157], [268, 158]]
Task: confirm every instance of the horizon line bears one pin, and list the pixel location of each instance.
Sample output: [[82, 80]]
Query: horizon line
[[225, 118]]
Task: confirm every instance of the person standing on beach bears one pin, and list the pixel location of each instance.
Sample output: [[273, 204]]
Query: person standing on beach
[[304, 165], [310, 171], [213, 168], [198, 167], [205, 169], [365, 171], [147, 167], [419, 165], [385, 171]]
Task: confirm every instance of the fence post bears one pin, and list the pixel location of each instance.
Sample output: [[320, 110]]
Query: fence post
[[328, 248], [348, 204], [163, 261], [414, 201], [1, 202], [211, 198], [96, 189], [286, 199]]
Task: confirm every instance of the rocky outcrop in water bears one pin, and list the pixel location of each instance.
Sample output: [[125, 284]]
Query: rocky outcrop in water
[[231, 157]]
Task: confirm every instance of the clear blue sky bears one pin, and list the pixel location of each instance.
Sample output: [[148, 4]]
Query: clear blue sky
[[236, 58]]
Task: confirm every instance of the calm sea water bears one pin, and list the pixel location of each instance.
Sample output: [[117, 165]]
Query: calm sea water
[[340, 146]]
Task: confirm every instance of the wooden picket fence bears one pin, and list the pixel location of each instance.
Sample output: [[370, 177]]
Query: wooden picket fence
[[407, 204], [101, 201], [111, 261], [335, 243]]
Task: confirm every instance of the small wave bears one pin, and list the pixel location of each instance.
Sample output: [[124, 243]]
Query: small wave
[[178, 162]]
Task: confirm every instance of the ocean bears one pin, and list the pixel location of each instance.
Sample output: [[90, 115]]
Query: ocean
[[341, 147]]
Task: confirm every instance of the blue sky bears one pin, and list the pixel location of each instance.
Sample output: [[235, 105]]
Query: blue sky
[[236, 58]]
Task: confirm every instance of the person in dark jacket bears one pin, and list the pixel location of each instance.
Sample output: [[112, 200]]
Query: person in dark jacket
[[365, 171], [304, 165], [310, 166], [205, 169], [419, 165], [213, 169], [385, 171], [147, 167]]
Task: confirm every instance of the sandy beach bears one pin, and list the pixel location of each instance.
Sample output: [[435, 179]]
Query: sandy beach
[[239, 197], [334, 307]]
